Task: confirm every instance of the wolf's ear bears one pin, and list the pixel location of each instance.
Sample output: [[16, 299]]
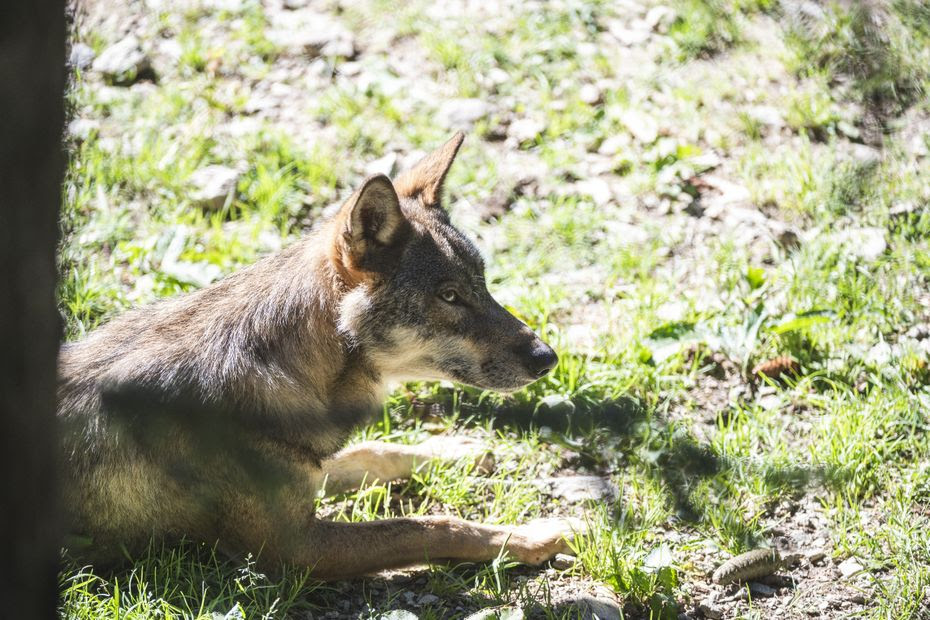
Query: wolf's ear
[[424, 181], [373, 223]]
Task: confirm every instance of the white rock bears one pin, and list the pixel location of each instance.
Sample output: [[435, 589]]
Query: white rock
[[865, 154], [658, 558], [312, 33], [525, 129], [235, 613], [399, 614], [769, 402], [850, 567], [866, 243], [213, 185], [497, 613], [659, 18], [82, 128], [580, 488], [81, 56], [462, 113], [880, 355], [625, 234], [590, 94], [598, 189], [123, 62], [903, 209], [614, 144], [917, 145], [641, 126], [766, 115], [171, 49], [232, 6], [498, 76], [628, 36]]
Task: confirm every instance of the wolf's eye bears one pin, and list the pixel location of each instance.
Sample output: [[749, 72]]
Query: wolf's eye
[[449, 296]]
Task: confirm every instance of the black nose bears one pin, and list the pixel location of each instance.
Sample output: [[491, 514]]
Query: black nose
[[543, 359]]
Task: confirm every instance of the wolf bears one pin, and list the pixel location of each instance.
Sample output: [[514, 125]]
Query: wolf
[[219, 415]]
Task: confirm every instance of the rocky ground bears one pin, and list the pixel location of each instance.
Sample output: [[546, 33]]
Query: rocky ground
[[672, 192]]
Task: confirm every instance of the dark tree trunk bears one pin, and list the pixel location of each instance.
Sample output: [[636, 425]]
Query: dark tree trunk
[[32, 79]]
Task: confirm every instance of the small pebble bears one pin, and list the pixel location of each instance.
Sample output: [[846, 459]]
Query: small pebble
[[849, 567], [562, 561], [760, 589], [709, 610]]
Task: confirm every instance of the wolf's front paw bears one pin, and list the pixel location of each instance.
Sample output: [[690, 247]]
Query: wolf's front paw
[[542, 539], [450, 449]]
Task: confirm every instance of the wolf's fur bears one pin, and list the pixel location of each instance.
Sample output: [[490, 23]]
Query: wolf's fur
[[216, 415]]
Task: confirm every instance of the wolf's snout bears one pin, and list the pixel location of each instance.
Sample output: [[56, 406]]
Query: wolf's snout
[[541, 358]]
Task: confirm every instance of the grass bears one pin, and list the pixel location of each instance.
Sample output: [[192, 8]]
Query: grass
[[659, 316]]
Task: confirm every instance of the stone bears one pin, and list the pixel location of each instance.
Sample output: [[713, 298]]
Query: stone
[[171, 50], [761, 590], [81, 56], [867, 243], [580, 488], [660, 18], [396, 614], [428, 599], [767, 115], [498, 76], [658, 558], [232, 6], [642, 127], [83, 128], [709, 609], [462, 113], [598, 189], [590, 94], [903, 210], [311, 33], [497, 613], [769, 402], [563, 561], [627, 36], [881, 354], [615, 144], [235, 613], [595, 608], [919, 332], [213, 186], [815, 556], [525, 129], [864, 154], [850, 567], [124, 63]]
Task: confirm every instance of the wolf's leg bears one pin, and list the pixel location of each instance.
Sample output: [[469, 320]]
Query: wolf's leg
[[377, 460], [349, 549]]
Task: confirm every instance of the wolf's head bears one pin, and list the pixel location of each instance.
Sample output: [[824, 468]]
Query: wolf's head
[[417, 303]]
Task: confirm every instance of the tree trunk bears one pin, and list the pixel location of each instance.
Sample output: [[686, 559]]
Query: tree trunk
[[32, 79]]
